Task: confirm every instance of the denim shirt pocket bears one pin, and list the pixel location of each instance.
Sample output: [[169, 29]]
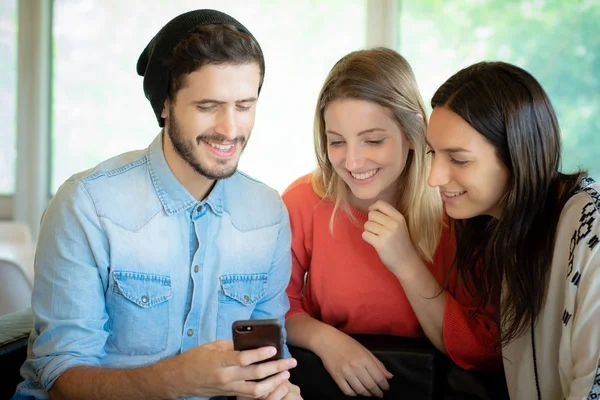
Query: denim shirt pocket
[[139, 312], [238, 297]]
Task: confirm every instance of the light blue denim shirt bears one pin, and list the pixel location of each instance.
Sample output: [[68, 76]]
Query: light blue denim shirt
[[130, 268]]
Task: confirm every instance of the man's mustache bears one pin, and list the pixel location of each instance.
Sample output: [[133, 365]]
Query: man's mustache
[[216, 138]]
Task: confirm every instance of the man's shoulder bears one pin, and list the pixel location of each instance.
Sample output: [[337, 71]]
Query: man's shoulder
[[119, 178], [117, 189], [246, 185], [252, 203], [112, 167]]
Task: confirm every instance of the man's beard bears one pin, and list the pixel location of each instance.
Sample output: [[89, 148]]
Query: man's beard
[[186, 148]]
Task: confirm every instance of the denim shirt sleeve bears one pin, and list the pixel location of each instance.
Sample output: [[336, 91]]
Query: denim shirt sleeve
[[69, 293], [276, 303]]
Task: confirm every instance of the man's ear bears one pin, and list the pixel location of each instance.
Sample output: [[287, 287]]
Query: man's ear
[[166, 107]]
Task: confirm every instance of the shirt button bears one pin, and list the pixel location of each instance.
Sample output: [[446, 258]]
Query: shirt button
[[196, 268], [144, 299], [246, 298], [190, 332], [199, 208]]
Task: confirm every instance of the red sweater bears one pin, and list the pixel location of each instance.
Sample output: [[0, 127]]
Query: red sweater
[[348, 286]]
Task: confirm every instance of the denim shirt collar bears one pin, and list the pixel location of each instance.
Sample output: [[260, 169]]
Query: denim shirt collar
[[173, 196]]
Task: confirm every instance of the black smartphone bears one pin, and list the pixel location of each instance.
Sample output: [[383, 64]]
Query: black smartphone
[[254, 333]]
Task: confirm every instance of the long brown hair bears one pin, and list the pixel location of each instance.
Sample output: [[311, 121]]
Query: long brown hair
[[384, 77], [506, 105]]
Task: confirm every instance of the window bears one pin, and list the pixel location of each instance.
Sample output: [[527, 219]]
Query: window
[[8, 98], [99, 108], [558, 42]]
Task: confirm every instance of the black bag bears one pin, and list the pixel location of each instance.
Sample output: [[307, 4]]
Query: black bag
[[420, 372]]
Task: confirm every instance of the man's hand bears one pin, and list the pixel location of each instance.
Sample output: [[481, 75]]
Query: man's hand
[[215, 369], [285, 391]]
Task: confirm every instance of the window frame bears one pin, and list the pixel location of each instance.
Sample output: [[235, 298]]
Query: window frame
[[6, 203], [34, 79]]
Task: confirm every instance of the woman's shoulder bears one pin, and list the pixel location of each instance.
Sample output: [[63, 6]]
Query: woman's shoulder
[[579, 222], [305, 181], [590, 191], [584, 204], [300, 192]]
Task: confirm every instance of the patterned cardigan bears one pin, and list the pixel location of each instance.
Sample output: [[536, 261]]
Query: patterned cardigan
[[561, 359]]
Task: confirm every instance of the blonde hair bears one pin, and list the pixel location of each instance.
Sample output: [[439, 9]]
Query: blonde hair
[[382, 76]]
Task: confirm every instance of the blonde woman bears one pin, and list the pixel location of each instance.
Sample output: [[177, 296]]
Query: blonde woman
[[370, 251]]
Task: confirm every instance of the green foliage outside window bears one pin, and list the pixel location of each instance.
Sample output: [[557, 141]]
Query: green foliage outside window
[[557, 41]]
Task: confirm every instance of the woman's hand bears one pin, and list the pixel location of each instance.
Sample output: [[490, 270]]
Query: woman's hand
[[354, 368], [387, 232]]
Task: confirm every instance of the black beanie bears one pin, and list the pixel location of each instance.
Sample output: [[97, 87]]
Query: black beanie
[[150, 64]]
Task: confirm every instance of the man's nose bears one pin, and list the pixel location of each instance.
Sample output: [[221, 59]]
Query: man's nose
[[226, 124]]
